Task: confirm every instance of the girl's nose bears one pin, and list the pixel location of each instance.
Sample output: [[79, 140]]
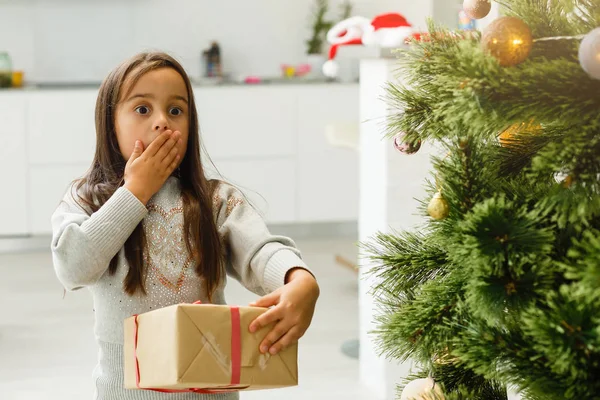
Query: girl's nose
[[161, 124], [160, 127]]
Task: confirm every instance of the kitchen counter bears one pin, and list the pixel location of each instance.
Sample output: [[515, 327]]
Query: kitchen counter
[[195, 83]]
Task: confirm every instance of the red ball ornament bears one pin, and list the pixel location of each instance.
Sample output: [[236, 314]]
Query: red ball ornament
[[404, 147]]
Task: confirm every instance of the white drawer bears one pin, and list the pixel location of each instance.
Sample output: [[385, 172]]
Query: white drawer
[[47, 186], [13, 165], [247, 121], [61, 127], [269, 184]]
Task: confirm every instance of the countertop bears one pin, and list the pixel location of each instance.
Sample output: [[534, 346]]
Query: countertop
[[195, 83]]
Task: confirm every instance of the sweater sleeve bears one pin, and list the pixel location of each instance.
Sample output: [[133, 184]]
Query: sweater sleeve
[[257, 259], [83, 245]]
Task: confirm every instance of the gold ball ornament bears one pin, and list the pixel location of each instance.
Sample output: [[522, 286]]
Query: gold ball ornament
[[508, 135], [438, 207], [568, 181], [445, 358], [422, 389], [477, 9], [564, 179], [509, 40]]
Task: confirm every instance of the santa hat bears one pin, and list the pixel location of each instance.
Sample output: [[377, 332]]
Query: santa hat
[[385, 31]]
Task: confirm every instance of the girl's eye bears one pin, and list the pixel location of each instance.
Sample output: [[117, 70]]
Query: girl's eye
[[143, 110], [176, 111]]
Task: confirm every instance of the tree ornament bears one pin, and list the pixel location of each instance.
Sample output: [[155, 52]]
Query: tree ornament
[[508, 135], [405, 147], [509, 40], [477, 9], [564, 179], [589, 53], [438, 207], [568, 181], [422, 389], [445, 358]]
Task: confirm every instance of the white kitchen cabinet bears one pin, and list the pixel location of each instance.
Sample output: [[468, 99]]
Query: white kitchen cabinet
[[327, 175], [269, 184], [270, 141], [247, 122], [62, 127], [13, 164], [47, 186]]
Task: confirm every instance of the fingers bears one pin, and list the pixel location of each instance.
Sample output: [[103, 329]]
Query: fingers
[[290, 338], [267, 301], [273, 315], [169, 149], [274, 335], [174, 164], [158, 143], [170, 162], [166, 148], [172, 154], [138, 149]]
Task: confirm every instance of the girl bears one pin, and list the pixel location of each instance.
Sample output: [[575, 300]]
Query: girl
[[145, 229]]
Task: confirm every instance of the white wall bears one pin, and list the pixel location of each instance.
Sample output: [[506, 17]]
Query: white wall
[[390, 186], [81, 40]]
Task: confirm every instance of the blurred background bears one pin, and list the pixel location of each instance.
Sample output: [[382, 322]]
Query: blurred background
[[271, 122], [79, 41]]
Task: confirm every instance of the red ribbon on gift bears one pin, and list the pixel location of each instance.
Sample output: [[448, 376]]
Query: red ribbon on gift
[[236, 359]]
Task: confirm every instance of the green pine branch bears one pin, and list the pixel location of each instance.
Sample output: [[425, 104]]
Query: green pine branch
[[321, 25], [554, 17], [404, 261], [507, 285], [451, 79], [319, 28], [458, 383], [422, 325], [584, 263]]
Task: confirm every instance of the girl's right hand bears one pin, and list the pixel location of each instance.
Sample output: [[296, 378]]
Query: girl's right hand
[[146, 171]]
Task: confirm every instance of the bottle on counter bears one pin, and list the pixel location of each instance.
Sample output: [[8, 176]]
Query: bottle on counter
[[5, 70], [212, 59]]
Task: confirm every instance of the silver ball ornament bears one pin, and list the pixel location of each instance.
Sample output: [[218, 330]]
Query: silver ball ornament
[[405, 147], [589, 53]]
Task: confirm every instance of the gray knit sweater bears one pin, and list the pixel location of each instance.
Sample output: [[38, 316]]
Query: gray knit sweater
[[83, 245]]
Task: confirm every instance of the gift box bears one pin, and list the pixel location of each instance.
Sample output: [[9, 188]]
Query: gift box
[[203, 348]]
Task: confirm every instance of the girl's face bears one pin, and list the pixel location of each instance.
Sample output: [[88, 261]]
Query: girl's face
[[156, 103]]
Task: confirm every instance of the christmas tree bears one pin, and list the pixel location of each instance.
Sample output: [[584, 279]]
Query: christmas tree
[[500, 286]]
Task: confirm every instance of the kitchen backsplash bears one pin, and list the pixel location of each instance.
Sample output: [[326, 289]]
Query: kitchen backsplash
[[81, 40]]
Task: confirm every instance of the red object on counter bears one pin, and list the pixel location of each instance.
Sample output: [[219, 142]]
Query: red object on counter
[[252, 79]]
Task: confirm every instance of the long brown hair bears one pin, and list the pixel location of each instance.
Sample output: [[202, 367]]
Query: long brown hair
[[106, 173]]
